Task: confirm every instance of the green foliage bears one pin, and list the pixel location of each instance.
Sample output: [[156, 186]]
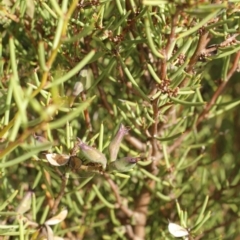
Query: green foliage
[[166, 69]]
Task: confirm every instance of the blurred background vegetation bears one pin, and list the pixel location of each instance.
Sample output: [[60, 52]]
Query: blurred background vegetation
[[168, 70]]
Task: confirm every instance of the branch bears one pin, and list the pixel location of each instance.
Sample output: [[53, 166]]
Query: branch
[[219, 90]]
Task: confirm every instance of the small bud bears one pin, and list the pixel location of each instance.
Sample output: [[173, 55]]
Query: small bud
[[91, 154], [123, 164], [85, 76], [116, 141], [77, 89]]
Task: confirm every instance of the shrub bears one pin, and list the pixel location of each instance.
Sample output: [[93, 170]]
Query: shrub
[[168, 71]]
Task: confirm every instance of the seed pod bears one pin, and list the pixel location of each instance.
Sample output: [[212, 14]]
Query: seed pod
[[75, 163], [123, 164], [116, 141], [91, 154]]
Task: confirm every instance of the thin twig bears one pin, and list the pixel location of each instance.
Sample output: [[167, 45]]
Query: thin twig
[[202, 43], [115, 189], [86, 113], [219, 90], [60, 195], [106, 104], [170, 41], [209, 105]]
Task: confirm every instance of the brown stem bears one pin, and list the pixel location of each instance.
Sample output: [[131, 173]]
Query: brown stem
[[86, 114], [202, 43], [136, 143], [60, 195], [142, 203], [104, 100], [209, 105], [171, 39], [115, 189], [219, 90]]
